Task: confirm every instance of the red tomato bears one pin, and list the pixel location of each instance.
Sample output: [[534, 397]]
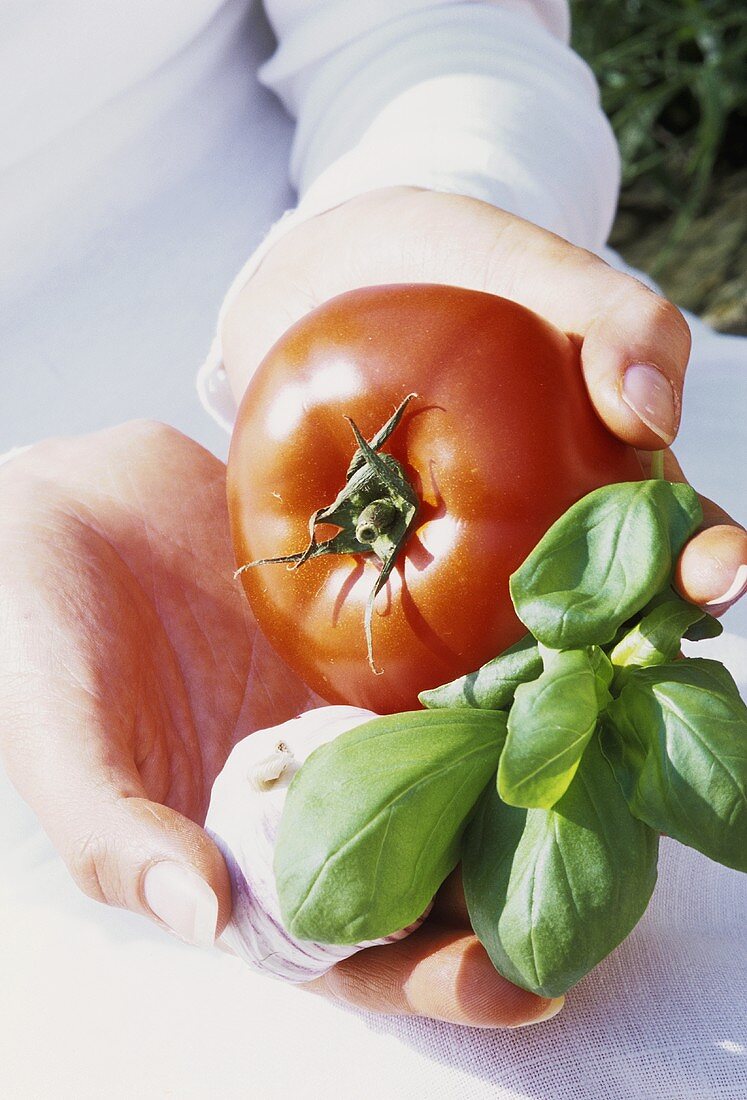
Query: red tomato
[[500, 440]]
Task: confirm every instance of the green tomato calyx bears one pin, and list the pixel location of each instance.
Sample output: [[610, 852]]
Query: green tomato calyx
[[375, 511]]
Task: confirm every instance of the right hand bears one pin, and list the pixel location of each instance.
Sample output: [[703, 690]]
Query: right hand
[[130, 666]]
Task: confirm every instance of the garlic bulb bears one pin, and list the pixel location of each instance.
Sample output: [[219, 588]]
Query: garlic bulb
[[243, 818]]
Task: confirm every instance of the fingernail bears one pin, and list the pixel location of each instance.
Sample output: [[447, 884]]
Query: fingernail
[[735, 589], [649, 394], [183, 901], [552, 1009]]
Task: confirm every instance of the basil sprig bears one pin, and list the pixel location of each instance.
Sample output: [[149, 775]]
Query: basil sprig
[[550, 770]]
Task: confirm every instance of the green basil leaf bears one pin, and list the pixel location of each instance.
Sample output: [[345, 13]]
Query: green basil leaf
[[551, 892], [492, 687], [655, 639], [549, 725], [373, 821], [704, 628], [677, 741], [602, 561]]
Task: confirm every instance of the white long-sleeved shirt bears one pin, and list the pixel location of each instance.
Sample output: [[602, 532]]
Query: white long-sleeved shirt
[[146, 149]]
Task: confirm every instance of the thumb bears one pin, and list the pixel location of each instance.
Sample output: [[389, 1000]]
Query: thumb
[[120, 847], [712, 568], [143, 856], [634, 344]]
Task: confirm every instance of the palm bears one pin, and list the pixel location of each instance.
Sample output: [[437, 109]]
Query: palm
[[159, 648]]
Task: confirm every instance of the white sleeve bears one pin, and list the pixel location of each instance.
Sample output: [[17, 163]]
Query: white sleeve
[[484, 99], [14, 452]]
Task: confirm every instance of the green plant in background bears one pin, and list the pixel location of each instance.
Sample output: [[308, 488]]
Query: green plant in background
[[673, 75]]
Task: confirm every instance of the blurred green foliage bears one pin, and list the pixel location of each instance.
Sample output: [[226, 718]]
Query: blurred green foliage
[[673, 75]]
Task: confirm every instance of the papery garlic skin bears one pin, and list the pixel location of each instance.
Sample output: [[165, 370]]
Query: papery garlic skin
[[246, 805]]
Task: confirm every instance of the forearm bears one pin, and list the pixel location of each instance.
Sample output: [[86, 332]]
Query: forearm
[[484, 99]]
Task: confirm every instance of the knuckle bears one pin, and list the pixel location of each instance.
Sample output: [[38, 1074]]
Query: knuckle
[[657, 314], [37, 475], [669, 318], [148, 430], [18, 474], [28, 497], [368, 982], [136, 443], [93, 866]]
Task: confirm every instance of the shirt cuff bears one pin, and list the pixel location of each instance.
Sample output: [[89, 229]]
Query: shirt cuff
[[14, 452]]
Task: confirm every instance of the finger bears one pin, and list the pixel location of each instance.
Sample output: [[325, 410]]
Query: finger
[[444, 974], [145, 857], [80, 699], [712, 568], [634, 344]]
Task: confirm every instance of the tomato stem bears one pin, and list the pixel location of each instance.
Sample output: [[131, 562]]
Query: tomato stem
[[375, 511], [375, 519]]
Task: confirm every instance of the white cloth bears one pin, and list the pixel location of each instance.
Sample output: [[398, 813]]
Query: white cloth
[[142, 160]]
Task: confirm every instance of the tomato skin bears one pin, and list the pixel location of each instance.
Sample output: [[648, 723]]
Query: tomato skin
[[500, 441]]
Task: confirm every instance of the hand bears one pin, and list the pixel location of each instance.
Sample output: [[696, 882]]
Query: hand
[[634, 350], [130, 664], [634, 344], [130, 667]]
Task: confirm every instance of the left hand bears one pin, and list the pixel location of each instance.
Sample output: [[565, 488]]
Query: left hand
[[634, 344]]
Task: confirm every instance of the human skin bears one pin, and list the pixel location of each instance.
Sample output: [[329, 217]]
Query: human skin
[[131, 663]]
